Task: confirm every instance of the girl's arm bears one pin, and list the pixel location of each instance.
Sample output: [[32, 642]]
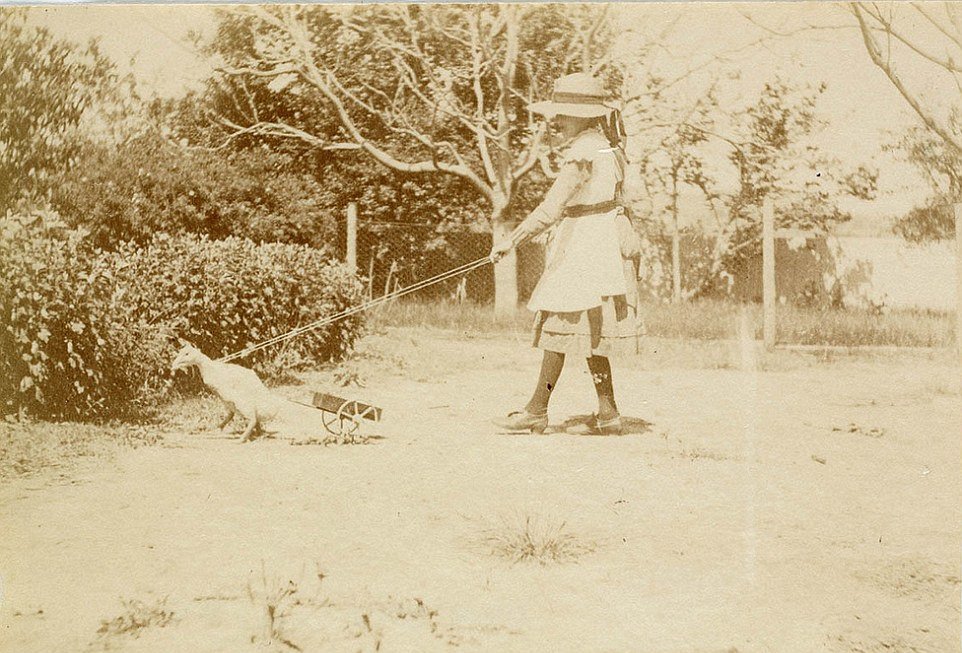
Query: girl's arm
[[567, 183]]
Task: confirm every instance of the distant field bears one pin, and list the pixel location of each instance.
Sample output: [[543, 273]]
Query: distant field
[[710, 320]]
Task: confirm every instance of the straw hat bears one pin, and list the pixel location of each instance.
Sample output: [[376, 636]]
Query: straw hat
[[580, 95]]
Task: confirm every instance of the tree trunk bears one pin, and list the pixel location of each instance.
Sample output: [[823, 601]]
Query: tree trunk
[[505, 272]]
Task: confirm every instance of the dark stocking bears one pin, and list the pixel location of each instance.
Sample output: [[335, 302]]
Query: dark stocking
[[550, 371], [600, 370]]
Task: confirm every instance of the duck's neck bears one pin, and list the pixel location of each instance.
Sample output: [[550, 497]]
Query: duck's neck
[[204, 365]]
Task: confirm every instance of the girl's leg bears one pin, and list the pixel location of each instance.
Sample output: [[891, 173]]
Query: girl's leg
[[600, 370], [551, 366]]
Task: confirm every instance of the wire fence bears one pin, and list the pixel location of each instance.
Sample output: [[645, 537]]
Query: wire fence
[[392, 255]]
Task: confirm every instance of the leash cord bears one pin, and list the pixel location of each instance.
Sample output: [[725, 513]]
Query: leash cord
[[293, 333]]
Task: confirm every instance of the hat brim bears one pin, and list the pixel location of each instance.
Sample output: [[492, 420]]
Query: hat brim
[[551, 109]]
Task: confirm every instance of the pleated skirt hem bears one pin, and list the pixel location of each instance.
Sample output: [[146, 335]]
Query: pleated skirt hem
[[611, 329]]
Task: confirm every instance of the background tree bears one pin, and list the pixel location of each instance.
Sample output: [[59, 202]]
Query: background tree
[[46, 87], [736, 157], [412, 225], [773, 154], [941, 165], [677, 163], [419, 90]]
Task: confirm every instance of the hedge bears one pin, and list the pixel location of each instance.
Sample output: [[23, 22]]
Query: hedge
[[90, 334]]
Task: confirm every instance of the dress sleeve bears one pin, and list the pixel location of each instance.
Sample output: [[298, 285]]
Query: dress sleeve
[[572, 175]]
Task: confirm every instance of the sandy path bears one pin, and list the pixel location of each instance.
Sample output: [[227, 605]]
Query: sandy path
[[741, 520]]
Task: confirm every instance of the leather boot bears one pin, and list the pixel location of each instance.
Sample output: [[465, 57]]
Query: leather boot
[[521, 421]]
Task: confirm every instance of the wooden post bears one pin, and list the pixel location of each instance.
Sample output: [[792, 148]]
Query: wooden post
[[768, 272], [675, 243], [676, 263], [958, 279], [351, 257]]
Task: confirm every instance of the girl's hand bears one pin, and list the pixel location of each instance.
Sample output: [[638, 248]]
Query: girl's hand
[[500, 250]]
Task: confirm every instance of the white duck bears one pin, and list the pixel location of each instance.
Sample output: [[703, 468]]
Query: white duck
[[239, 388]]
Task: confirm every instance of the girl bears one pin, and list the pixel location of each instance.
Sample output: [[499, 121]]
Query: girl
[[585, 301]]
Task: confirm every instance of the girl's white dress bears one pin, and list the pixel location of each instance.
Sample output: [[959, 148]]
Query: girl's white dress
[[586, 299]]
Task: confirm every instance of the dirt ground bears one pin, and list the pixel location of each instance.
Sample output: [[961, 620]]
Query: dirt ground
[[806, 506]]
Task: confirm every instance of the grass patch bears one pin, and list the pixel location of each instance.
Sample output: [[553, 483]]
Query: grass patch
[[706, 320], [28, 448], [696, 320], [855, 328], [533, 540]]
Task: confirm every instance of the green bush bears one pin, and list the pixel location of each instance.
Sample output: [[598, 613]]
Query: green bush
[[90, 333]]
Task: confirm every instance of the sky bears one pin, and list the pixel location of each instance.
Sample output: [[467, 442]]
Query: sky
[[149, 40], [860, 105]]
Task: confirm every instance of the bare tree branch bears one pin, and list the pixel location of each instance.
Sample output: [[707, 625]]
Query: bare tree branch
[[532, 156], [885, 65], [589, 38], [239, 71], [888, 27], [476, 86], [936, 24], [276, 129], [322, 82]]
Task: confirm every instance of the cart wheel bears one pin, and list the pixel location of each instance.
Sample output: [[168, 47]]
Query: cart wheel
[[344, 422], [334, 423], [350, 415]]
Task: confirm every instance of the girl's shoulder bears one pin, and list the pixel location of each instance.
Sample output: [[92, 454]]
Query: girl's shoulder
[[587, 148]]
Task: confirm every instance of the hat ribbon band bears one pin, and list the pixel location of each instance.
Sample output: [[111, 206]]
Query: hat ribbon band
[[577, 98]]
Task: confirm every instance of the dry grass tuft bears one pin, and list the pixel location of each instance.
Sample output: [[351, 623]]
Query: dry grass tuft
[[533, 540], [136, 617], [275, 597]]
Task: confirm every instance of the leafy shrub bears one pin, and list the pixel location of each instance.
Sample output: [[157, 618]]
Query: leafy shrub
[[89, 333], [56, 344], [144, 185], [225, 295], [931, 222]]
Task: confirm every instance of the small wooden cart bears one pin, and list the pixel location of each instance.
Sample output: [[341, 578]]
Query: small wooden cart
[[343, 417]]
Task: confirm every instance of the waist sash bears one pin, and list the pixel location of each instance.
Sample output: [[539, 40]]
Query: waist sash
[[580, 210]]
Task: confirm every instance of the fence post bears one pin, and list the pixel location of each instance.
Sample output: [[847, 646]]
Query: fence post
[[675, 262], [958, 279], [351, 257], [768, 272]]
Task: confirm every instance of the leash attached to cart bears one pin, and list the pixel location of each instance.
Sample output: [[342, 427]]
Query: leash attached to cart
[[342, 417]]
